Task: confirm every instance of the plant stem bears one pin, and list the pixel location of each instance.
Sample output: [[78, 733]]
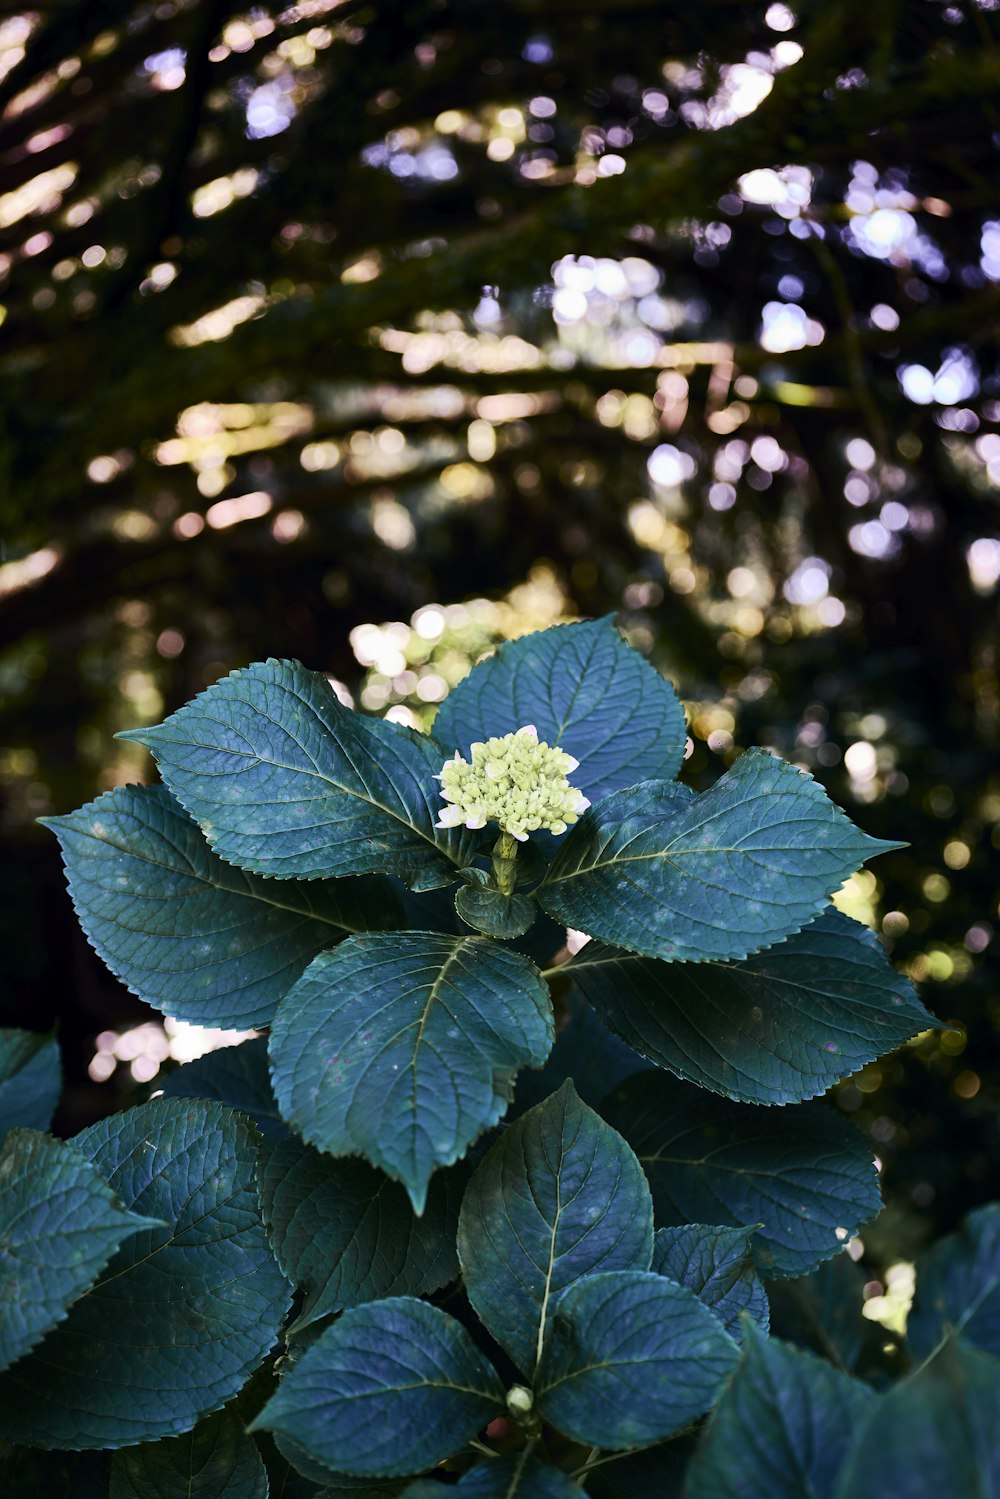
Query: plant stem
[[504, 863]]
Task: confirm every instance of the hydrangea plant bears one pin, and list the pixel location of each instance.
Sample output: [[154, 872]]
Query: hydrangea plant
[[476, 1206]]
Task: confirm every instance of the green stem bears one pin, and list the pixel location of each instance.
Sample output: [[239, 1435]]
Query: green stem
[[504, 863]]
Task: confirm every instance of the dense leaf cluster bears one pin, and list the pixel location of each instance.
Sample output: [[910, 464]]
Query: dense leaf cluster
[[319, 1262]]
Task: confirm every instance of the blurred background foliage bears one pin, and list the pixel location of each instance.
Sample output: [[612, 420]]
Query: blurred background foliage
[[374, 333]]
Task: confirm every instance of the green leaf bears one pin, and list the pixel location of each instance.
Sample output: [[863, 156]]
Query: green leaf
[[391, 1388], [720, 875], [346, 1234], [822, 1311], [60, 1223], [217, 1460], [774, 1028], [403, 1047], [236, 1075], [632, 1358], [781, 1429], [183, 1314], [803, 1172], [30, 1080], [287, 782], [307, 1470], [958, 1287], [717, 1265], [584, 1050], [586, 691], [933, 1435], [493, 914], [188, 933], [516, 1476], [559, 1196]]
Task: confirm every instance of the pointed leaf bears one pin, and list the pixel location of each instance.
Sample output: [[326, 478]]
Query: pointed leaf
[[60, 1223], [781, 1429], [403, 1047], [236, 1075], [494, 914], [722, 875], [182, 1314], [516, 1476], [30, 1080], [632, 1358], [345, 1234], [390, 1388], [188, 933], [560, 1195], [803, 1172], [774, 1028], [717, 1265], [217, 1460], [285, 781], [958, 1287], [586, 691], [932, 1435]]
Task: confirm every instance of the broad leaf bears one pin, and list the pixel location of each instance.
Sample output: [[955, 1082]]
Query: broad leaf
[[774, 1028], [560, 1195], [188, 933], [390, 1388], [958, 1287], [720, 875], [822, 1312], [781, 1429], [217, 1460], [285, 781], [346, 1234], [60, 1223], [182, 1314], [933, 1435], [803, 1172], [717, 1264], [493, 914], [632, 1358], [319, 1475], [586, 691], [236, 1075], [30, 1080], [584, 1050], [403, 1047], [517, 1476]]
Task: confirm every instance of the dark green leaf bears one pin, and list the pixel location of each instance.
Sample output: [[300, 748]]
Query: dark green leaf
[[584, 1050], [494, 914], [632, 1358], [286, 781], [30, 1080], [559, 1196], [774, 1028], [516, 1476], [60, 1223], [822, 1311], [586, 691], [346, 1234], [188, 933], [717, 1265], [781, 1429], [721, 875], [217, 1460], [933, 1436], [390, 1388], [236, 1075], [958, 1287], [182, 1315], [403, 1047], [308, 1471], [802, 1171]]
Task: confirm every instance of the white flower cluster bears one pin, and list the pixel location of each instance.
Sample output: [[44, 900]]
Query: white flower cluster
[[516, 782]]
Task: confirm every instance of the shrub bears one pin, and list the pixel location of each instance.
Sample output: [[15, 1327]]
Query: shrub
[[321, 1260]]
